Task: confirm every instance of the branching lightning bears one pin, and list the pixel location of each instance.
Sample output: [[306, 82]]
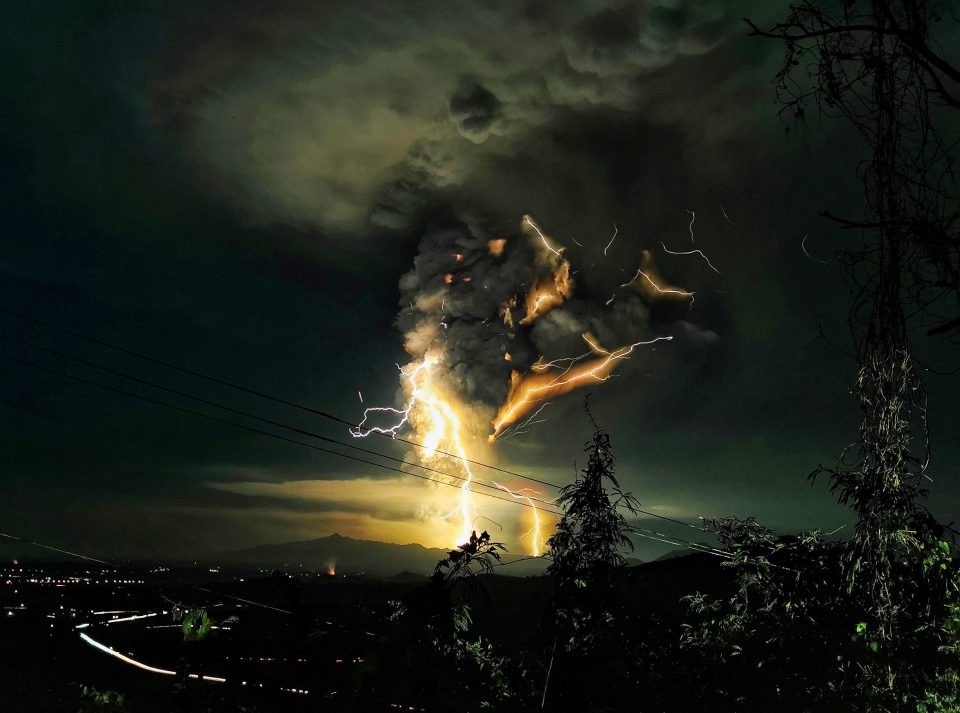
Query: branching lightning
[[525, 393], [433, 407], [693, 217], [522, 428], [438, 422]]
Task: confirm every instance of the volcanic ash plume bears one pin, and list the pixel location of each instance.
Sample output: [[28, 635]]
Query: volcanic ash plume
[[494, 331]]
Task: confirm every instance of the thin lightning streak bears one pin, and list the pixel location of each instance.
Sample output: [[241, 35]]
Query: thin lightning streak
[[693, 217], [536, 542], [544, 365], [803, 247], [726, 217], [535, 414], [661, 290], [593, 345], [361, 396], [690, 252], [522, 428], [529, 221], [615, 231], [578, 242]]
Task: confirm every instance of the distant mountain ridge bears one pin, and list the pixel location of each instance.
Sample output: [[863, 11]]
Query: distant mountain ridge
[[354, 556]]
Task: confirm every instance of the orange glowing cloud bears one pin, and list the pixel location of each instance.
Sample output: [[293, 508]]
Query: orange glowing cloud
[[551, 281], [648, 283], [496, 246], [529, 390]]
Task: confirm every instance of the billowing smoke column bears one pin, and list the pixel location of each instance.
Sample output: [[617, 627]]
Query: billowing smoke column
[[494, 329]]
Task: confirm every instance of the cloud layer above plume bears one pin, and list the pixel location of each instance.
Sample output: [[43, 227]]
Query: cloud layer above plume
[[341, 115]]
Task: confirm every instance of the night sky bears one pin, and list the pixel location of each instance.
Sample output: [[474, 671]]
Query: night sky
[[239, 188]]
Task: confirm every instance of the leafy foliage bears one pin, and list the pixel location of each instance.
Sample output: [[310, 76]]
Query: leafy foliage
[[474, 557], [94, 701], [796, 620], [588, 544], [431, 657]]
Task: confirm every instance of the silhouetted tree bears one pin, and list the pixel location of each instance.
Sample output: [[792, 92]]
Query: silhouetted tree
[[876, 65], [592, 535], [430, 656], [587, 550]]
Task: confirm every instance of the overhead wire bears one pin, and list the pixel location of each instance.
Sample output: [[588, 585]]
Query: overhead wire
[[285, 402], [251, 429], [263, 395]]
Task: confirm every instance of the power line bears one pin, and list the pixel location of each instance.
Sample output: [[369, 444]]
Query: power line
[[285, 402], [246, 414], [261, 394], [636, 531], [696, 546], [276, 436]]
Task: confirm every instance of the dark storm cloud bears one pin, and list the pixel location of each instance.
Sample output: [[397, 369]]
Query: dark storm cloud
[[382, 110], [474, 110]]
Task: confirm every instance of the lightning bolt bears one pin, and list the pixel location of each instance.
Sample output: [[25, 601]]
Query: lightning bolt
[[598, 371], [661, 290], [529, 221], [693, 217], [803, 246], [726, 217], [526, 424], [615, 231], [442, 423], [536, 539], [690, 252]]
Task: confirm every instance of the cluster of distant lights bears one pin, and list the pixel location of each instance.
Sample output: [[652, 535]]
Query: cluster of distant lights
[[37, 576]]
